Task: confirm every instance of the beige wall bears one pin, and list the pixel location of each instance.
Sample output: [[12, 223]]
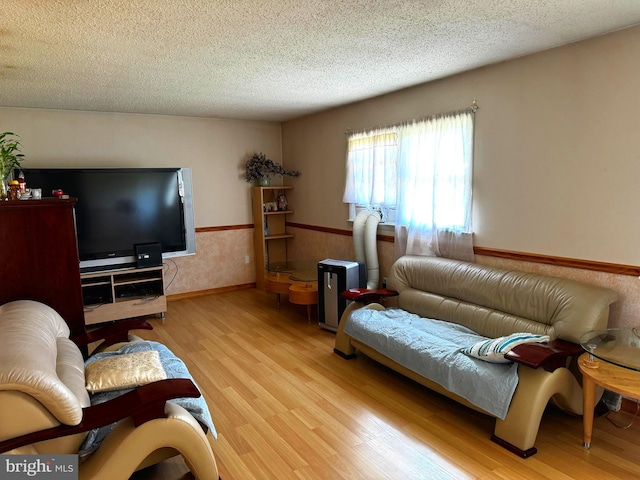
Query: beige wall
[[218, 262], [557, 162], [214, 149]]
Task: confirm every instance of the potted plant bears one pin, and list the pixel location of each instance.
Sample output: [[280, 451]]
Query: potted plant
[[10, 158], [260, 168]]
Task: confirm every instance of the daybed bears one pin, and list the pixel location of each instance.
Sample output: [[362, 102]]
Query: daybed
[[45, 406], [468, 304]]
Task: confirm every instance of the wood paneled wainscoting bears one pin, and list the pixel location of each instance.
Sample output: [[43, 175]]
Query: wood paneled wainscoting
[[222, 253], [286, 407]]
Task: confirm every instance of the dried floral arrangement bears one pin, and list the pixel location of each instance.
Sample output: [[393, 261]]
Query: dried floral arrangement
[[260, 166]]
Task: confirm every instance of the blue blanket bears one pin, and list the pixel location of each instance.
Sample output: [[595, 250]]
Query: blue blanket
[[432, 348], [174, 368]]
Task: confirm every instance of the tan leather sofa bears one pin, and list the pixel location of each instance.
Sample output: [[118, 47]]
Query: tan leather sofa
[[495, 302], [45, 407]]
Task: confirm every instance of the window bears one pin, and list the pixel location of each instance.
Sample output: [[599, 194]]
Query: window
[[372, 172], [419, 175]]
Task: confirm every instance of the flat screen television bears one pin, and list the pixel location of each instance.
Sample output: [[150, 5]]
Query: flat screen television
[[118, 208]]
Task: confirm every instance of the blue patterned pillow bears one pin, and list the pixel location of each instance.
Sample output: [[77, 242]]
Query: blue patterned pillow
[[493, 349]]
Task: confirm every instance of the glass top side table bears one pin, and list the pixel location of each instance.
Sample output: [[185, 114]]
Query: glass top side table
[[296, 270], [613, 362], [296, 278], [619, 346]]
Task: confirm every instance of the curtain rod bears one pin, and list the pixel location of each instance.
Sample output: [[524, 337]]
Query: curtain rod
[[473, 108]]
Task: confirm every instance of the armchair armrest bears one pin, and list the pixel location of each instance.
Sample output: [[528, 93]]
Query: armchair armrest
[[363, 295], [141, 404], [111, 333], [550, 356]]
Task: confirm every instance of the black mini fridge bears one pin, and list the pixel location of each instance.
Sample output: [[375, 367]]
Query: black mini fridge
[[334, 277]]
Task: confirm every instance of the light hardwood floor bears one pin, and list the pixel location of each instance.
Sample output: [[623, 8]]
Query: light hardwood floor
[[286, 407]]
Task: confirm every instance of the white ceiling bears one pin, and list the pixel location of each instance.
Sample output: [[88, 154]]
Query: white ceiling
[[267, 60]]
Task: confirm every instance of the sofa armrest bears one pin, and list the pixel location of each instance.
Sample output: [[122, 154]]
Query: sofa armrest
[[111, 333], [550, 356], [363, 295], [141, 404]]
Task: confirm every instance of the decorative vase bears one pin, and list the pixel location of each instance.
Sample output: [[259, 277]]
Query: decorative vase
[[264, 181]]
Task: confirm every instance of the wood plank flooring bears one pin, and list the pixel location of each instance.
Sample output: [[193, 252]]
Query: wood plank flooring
[[286, 407]]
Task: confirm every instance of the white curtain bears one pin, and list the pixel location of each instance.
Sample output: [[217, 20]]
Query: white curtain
[[435, 168], [371, 168]]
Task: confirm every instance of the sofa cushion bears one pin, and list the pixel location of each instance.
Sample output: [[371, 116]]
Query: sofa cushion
[[433, 349], [29, 358], [495, 302], [494, 349], [124, 371], [70, 369]]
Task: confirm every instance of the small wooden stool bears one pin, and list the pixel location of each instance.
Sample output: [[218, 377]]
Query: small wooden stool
[[302, 293]]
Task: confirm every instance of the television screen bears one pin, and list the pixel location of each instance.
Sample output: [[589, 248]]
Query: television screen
[[119, 208]]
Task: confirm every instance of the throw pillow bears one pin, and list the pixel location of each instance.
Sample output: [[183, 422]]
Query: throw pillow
[[124, 371], [493, 349]]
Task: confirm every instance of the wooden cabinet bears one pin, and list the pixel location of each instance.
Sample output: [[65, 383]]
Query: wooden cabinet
[[39, 256], [269, 229], [125, 293], [39, 261]]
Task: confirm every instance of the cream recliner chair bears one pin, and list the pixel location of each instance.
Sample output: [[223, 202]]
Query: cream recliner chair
[[45, 407]]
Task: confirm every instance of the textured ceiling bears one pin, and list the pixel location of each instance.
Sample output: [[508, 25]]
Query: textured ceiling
[[268, 60]]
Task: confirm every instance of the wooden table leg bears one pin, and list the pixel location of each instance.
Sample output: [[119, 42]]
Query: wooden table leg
[[588, 406], [277, 284], [304, 294]]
